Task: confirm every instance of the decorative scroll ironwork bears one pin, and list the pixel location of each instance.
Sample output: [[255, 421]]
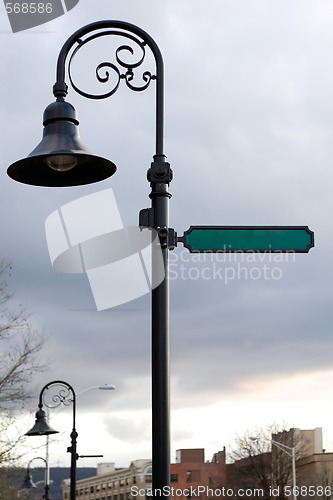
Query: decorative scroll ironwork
[[59, 394], [102, 73]]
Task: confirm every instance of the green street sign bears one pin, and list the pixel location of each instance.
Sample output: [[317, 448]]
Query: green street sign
[[260, 239]]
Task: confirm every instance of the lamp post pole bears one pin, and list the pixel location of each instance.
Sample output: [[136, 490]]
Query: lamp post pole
[[289, 450], [159, 175], [28, 483], [61, 159], [105, 387], [65, 396]]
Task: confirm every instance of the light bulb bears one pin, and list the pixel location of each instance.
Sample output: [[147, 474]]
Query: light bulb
[[61, 163]]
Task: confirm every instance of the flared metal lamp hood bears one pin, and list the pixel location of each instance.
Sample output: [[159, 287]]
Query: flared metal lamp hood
[[61, 158], [41, 427], [28, 482]]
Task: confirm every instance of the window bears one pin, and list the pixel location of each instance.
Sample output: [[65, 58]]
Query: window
[[174, 478]]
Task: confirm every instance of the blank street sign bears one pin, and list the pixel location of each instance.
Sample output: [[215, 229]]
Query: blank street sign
[[232, 239]]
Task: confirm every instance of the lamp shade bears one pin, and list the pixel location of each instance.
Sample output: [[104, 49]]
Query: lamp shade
[[28, 482], [61, 158], [41, 427]]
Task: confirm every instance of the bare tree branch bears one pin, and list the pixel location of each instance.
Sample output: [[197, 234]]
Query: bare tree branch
[[20, 350], [260, 463]]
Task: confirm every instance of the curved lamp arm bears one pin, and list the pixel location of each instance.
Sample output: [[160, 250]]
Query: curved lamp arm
[[289, 450], [60, 88], [37, 458], [66, 396]]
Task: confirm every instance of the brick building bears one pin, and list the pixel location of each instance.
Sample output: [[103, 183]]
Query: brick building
[[194, 477], [191, 475]]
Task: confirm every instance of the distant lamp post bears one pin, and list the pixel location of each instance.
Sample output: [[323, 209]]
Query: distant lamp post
[[104, 387], [65, 396], [28, 483], [61, 159], [289, 450]]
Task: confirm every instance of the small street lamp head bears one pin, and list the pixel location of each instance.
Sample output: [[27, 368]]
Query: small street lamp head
[[28, 482], [107, 387], [61, 158], [41, 427]]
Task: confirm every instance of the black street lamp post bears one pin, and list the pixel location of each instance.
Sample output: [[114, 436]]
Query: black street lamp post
[[28, 482], [61, 159], [65, 396]]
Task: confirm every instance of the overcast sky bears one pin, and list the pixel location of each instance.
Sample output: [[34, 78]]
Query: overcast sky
[[249, 126]]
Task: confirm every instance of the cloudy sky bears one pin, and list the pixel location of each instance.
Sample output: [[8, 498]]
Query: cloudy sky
[[249, 126]]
